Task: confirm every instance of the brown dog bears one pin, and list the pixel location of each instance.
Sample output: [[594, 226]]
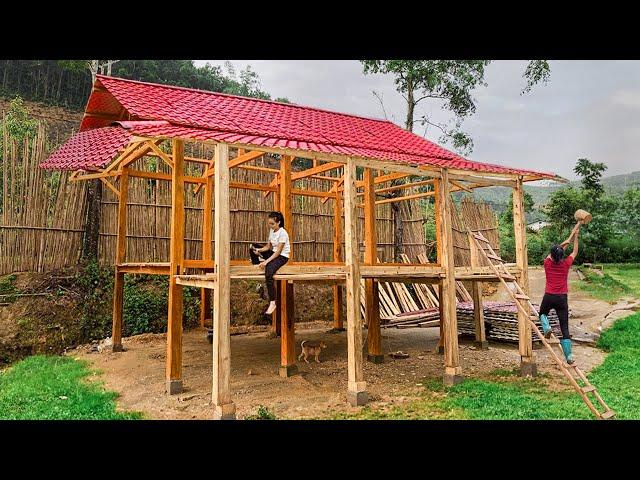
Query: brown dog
[[311, 349]]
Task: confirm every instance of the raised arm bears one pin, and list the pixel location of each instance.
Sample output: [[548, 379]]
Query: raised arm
[[574, 253], [573, 232]]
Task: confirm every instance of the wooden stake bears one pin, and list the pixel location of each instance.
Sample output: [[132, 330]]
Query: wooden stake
[[372, 298], [452, 373], [224, 408], [527, 362], [121, 247], [356, 392], [287, 321]]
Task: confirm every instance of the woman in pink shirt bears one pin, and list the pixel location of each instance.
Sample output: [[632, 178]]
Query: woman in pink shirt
[[556, 269]]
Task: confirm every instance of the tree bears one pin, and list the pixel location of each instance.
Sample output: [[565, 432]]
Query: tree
[[449, 81], [591, 173]]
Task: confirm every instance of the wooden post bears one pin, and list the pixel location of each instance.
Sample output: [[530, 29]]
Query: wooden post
[[436, 212], [92, 222], [338, 318], [207, 253], [224, 408], [372, 300], [527, 361], [288, 365], [121, 249], [176, 258], [476, 294], [356, 392], [452, 369], [276, 318]]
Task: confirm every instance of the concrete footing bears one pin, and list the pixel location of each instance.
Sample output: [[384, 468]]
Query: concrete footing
[[288, 370], [528, 369], [117, 348], [481, 344], [375, 358], [357, 399], [450, 380], [225, 412], [173, 387]]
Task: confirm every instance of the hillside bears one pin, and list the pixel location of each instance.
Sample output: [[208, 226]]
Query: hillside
[[499, 196]]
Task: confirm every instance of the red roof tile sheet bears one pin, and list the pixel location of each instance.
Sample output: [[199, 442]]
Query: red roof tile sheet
[[167, 111], [89, 149]]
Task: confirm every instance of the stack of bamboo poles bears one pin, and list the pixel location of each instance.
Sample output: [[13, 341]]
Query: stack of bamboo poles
[[42, 212]]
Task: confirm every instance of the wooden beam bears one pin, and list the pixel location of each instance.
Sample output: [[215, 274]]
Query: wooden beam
[[287, 311], [356, 389], [176, 257], [165, 158], [121, 249], [372, 296], [439, 255], [325, 167], [527, 361], [453, 371], [402, 187], [224, 408]]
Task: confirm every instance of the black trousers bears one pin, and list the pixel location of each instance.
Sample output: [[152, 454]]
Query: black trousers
[[560, 304], [271, 268]]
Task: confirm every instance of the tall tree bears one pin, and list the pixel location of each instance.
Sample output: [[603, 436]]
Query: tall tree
[[591, 173], [450, 81]]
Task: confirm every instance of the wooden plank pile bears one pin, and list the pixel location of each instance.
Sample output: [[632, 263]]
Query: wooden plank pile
[[500, 319]]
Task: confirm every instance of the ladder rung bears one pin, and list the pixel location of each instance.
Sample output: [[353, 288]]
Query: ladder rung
[[588, 388], [507, 276], [494, 257], [519, 296], [479, 236], [552, 341], [608, 414]]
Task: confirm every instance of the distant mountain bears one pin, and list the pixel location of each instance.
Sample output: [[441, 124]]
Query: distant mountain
[[499, 196]]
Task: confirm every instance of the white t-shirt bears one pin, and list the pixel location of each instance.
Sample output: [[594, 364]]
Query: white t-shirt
[[280, 236]]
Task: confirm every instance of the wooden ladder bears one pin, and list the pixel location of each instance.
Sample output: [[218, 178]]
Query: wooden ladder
[[519, 297]]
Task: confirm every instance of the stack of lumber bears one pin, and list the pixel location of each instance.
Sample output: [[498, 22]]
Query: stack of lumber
[[500, 319]]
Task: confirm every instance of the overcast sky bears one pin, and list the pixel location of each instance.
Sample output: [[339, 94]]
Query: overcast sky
[[589, 108]]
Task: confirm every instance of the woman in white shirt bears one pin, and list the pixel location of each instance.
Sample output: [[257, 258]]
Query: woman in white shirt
[[279, 247]]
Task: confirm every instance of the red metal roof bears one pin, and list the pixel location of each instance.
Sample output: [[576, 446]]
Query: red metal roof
[[168, 111], [89, 149]]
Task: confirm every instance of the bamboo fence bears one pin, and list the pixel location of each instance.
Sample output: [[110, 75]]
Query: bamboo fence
[[44, 213]]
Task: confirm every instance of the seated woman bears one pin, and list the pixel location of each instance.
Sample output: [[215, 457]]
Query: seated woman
[[556, 269], [279, 248]]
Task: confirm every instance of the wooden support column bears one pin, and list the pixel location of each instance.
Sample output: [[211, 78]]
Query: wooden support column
[[436, 212], [288, 365], [207, 251], [276, 318], [476, 294], [176, 258], [121, 249], [356, 392], [224, 408], [338, 290], [452, 369], [372, 300], [527, 361]]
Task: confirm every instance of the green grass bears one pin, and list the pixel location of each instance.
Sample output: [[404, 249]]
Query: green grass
[[55, 388], [503, 395], [616, 282]]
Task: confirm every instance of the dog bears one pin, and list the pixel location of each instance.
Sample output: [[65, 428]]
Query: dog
[[311, 349]]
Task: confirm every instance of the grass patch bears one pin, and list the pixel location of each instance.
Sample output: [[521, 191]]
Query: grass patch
[[609, 287], [55, 388], [503, 395], [263, 413]]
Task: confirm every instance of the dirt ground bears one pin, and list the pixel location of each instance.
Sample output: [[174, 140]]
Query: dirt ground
[[137, 374]]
